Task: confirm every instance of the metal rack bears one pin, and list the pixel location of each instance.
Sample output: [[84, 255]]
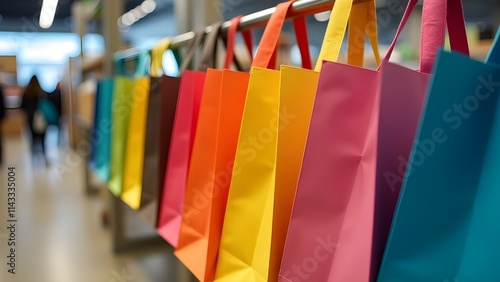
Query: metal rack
[[300, 8]]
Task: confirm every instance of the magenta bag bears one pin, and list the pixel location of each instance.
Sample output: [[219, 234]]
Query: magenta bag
[[361, 134]]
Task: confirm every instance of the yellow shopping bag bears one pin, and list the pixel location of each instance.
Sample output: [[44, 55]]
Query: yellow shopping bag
[[134, 151], [246, 238]]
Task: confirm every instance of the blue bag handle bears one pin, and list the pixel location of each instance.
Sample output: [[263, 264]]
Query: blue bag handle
[[494, 54], [142, 66]]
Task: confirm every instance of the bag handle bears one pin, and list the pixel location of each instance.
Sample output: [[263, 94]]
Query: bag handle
[[142, 63], [494, 53], [458, 35], [199, 34], [435, 17], [266, 54], [157, 57], [300, 27], [363, 15], [119, 66], [141, 67], [231, 39], [362, 24], [209, 53]]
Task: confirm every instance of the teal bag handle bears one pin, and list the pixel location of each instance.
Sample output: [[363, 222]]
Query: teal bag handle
[[120, 66], [142, 65], [494, 53], [178, 57]]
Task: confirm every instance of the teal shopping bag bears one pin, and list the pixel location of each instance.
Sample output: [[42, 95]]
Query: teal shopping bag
[[102, 129], [494, 54], [447, 224]]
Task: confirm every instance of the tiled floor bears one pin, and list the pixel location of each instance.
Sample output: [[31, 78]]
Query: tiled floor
[[60, 237]]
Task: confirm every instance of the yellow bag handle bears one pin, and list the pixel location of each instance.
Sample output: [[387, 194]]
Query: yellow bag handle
[[362, 21], [363, 14], [157, 56]]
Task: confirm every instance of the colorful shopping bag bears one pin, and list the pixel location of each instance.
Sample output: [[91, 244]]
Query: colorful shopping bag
[[343, 206], [102, 129], [494, 54], [244, 255], [450, 189], [211, 165], [134, 150], [184, 129], [122, 102], [161, 107], [297, 93]]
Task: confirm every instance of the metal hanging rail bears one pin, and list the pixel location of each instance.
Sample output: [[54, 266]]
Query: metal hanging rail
[[300, 8]]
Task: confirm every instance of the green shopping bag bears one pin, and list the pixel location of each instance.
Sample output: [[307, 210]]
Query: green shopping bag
[[122, 104]]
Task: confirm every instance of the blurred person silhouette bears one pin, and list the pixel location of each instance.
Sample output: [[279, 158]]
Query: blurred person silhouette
[[37, 124]]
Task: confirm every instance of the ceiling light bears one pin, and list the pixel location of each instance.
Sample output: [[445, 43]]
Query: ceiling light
[[148, 6], [123, 22], [130, 17], [323, 16], [47, 13], [138, 13]]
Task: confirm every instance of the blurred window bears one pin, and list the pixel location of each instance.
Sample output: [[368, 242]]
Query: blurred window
[[45, 54]]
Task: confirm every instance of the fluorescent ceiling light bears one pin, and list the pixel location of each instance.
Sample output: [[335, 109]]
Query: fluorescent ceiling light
[[47, 13], [148, 6], [139, 12]]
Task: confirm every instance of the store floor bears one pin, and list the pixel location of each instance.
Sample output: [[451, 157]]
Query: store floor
[[59, 235]]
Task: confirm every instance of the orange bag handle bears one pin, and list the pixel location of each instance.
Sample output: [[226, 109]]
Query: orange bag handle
[[231, 39], [267, 47]]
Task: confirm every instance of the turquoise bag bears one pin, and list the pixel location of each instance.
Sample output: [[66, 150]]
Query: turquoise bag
[[102, 129], [447, 223]]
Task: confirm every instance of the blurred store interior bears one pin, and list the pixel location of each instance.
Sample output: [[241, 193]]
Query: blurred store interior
[[71, 229]]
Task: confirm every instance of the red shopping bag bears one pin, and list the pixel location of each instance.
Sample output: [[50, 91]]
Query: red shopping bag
[[181, 143]]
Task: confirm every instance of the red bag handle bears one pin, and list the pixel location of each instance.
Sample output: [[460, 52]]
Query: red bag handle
[[434, 15], [265, 57], [231, 39]]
